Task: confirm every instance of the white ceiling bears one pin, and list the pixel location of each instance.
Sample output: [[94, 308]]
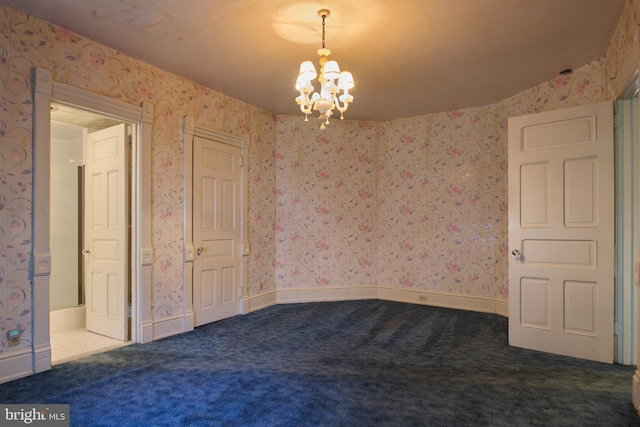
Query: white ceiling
[[408, 57]]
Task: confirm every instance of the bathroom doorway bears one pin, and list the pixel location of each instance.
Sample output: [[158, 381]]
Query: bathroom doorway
[[83, 317]]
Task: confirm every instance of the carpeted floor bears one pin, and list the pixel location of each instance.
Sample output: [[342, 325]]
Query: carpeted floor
[[352, 363]]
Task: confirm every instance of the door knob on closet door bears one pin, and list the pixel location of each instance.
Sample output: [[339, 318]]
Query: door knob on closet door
[[199, 251], [86, 252], [516, 253]]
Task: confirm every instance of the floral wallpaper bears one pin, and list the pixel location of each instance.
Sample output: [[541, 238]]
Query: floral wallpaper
[[624, 41], [27, 42], [326, 197], [442, 197], [417, 203]]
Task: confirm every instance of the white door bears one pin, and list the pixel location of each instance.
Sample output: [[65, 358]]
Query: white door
[[561, 232], [216, 230], [107, 232]]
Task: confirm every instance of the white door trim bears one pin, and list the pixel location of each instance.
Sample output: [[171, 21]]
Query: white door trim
[[47, 90], [189, 131], [626, 241]]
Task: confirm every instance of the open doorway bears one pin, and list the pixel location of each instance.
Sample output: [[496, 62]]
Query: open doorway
[[89, 305], [46, 91]]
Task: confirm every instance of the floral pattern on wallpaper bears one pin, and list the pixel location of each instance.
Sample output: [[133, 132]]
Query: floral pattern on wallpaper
[[326, 195], [624, 41], [417, 203], [440, 200], [27, 42], [15, 184]]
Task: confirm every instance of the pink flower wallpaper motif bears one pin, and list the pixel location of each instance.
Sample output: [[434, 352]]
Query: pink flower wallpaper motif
[[429, 213], [27, 42], [325, 204], [439, 193], [417, 203]]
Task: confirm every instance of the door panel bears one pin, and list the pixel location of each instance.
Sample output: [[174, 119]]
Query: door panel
[[107, 233], [216, 211], [561, 232]]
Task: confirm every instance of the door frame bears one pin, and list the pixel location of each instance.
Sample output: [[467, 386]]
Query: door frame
[[45, 91], [626, 140], [189, 131]]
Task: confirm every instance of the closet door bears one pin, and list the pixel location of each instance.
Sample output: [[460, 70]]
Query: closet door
[[216, 230]]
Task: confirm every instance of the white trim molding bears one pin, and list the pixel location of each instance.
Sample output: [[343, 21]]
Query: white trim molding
[[168, 326], [41, 267], [287, 296], [258, 302], [411, 296], [16, 364], [189, 251], [437, 299], [142, 316]]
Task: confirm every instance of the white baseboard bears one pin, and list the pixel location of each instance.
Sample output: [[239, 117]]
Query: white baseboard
[[412, 296], [258, 302], [244, 305], [42, 358], [67, 319], [287, 296], [189, 321], [168, 326], [459, 302], [502, 308], [16, 364], [146, 334]]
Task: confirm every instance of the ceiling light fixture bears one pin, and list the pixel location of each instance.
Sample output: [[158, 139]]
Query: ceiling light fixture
[[329, 96]]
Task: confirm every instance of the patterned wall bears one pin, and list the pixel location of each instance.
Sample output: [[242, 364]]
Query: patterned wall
[[442, 203], [417, 203], [326, 195], [27, 42], [624, 41]]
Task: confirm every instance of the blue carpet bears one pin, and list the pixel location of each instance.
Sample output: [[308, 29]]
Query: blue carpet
[[352, 363]]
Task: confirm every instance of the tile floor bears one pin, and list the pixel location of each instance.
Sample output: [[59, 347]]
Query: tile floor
[[72, 345]]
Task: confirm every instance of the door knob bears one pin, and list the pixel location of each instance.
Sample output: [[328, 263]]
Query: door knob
[[516, 253], [86, 252], [199, 251]]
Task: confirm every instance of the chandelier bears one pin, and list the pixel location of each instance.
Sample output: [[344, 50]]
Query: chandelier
[[329, 97]]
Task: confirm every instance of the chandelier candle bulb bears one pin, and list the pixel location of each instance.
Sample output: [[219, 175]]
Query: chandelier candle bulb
[[329, 97]]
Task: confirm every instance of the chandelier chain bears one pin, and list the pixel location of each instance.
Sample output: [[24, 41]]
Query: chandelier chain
[[323, 18]]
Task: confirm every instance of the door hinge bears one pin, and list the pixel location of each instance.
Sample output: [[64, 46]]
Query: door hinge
[[241, 160], [129, 311], [130, 135]]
